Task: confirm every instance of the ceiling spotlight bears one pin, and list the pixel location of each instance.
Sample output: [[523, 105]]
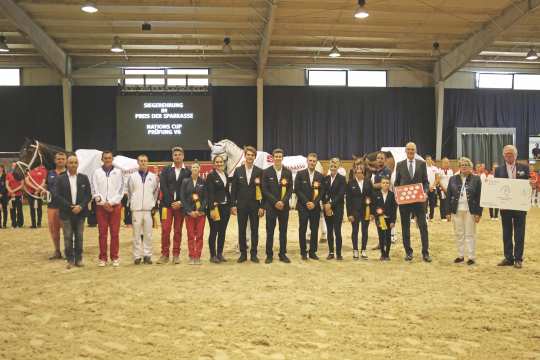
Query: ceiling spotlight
[[361, 12], [3, 45], [227, 49], [89, 7], [532, 55], [116, 45], [334, 53], [436, 51], [146, 26]]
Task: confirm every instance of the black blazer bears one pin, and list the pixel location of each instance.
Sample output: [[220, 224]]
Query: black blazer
[[272, 188], [63, 195], [304, 190], [187, 191], [217, 192], [242, 193], [3, 188], [473, 185], [522, 171], [335, 193], [420, 174], [389, 207], [356, 198], [169, 186]]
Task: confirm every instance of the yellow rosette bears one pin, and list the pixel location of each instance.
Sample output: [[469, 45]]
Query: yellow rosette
[[283, 188], [368, 210], [258, 192], [382, 220], [164, 213], [196, 201], [316, 187], [214, 214]]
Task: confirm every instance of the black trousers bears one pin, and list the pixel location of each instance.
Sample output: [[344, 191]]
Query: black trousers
[[253, 216], [419, 211], [16, 212], [513, 223], [36, 210], [92, 219], [4, 212], [218, 230], [313, 217], [432, 203], [73, 238], [493, 213], [127, 211], [443, 206], [355, 228], [385, 241], [333, 225], [272, 216]]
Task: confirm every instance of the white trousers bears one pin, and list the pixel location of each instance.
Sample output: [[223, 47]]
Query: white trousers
[[142, 227], [465, 231]]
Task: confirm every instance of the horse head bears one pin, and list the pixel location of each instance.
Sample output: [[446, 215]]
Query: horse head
[[228, 150], [34, 153]]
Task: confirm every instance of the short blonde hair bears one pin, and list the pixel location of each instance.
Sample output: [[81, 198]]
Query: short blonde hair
[[335, 161], [465, 161]]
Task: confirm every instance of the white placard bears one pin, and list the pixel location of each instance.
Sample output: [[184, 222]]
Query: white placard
[[507, 194]]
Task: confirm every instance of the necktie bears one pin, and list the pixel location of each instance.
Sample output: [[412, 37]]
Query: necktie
[[411, 171]]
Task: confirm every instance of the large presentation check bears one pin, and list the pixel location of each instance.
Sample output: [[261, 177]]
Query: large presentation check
[[507, 194]]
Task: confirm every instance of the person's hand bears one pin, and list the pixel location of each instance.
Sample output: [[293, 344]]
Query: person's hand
[[76, 209], [477, 218], [351, 219], [279, 205], [234, 210], [392, 225], [327, 207], [431, 188], [310, 205], [532, 181], [449, 217], [261, 212], [108, 207], [371, 217], [193, 214]]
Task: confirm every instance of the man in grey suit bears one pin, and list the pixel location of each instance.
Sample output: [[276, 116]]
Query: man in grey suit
[[413, 171]]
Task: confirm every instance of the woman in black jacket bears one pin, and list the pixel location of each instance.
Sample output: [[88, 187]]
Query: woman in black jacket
[[464, 207], [219, 208], [334, 201]]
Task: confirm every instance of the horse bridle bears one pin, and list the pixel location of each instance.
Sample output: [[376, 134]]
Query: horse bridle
[[25, 169]]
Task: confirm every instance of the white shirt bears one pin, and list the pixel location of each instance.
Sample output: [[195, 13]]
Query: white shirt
[[332, 178], [311, 176], [483, 176], [222, 177], [463, 205], [413, 162], [249, 171], [384, 195], [177, 173], [445, 176], [73, 187], [278, 173], [360, 184], [431, 171], [510, 169]]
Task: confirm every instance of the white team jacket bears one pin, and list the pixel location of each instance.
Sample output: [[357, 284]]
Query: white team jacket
[[142, 197], [107, 188]]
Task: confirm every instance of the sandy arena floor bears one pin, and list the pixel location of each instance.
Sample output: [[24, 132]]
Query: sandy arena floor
[[304, 310]]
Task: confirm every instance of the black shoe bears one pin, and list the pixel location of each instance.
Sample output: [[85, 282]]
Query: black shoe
[[409, 257], [79, 263], [470, 262], [382, 258], [284, 258], [339, 257], [330, 256], [268, 260], [242, 258], [254, 259], [304, 257], [518, 265], [33, 227], [221, 258], [387, 258], [214, 260], [376, 248], [137, 261], [426, 258], [147, 260], [458, 260], [313, 256], [506, 262]]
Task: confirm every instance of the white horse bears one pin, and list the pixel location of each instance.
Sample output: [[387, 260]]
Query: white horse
[[234, 157]]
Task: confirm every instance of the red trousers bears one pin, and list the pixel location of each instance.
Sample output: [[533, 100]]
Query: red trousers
[[166, 224], [108, 222], [195, 232]]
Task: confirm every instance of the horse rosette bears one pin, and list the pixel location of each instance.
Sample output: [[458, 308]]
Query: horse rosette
[[410, 194], [196, 201], [382, 220], [316, 187], [283, 188], [258, 193], [368, 209]]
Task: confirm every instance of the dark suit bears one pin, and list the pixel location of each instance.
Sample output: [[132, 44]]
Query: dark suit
[[304, 190], [73, 225], [271, 187], [218, 195], [186, 195], [3, 201], [170, 186], [418, 209], [513, 221], [335, 196], [388, 209], [357, 199], [473, 187], [243, 197]]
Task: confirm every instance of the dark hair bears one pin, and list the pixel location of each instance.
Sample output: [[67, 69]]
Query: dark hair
[[217, 156], [277, 151], [60, 153], [106, 152], [177, 148], [385, 178], [250, 149], [141, 155], [312, 154]]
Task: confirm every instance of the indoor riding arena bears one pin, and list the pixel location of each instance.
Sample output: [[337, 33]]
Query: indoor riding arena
[[270, 179]]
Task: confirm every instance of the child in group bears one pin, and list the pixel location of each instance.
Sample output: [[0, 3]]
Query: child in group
[[384, 208]]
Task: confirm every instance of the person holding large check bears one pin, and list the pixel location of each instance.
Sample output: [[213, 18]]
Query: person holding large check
[[412, 172], [513, 221]]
